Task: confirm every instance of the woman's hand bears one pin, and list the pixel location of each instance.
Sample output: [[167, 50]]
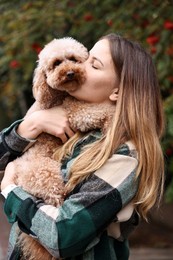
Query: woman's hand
[[53, 121], [9, 176]]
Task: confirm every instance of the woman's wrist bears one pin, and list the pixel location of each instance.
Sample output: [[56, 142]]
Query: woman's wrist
[[29, 128]]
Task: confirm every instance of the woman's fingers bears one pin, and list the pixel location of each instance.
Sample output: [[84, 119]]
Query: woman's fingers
[[63, 138], [64, 133], [69, 132]]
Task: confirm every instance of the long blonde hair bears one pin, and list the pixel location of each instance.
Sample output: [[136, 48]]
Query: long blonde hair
[[138, 117]]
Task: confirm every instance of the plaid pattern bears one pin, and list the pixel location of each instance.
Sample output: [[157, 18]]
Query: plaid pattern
[[94, 221], [11, 145]]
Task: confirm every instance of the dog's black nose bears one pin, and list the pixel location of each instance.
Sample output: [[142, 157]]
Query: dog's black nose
[[70, 74]]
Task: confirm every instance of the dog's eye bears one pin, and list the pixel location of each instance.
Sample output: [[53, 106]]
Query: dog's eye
[[57, 63], [73, 59]]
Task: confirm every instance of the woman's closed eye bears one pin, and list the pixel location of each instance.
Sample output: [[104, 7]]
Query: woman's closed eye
[[95, 64], [94, 67]]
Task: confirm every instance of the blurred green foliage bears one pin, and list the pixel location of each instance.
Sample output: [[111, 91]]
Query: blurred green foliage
[[26, 26]]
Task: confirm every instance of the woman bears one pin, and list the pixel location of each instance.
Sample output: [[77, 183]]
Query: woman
[[111, 178]]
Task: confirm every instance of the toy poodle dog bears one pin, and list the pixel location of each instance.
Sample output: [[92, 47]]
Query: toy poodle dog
[[60, 68]]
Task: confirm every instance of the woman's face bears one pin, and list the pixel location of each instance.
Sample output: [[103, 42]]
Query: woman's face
[[102, 81]]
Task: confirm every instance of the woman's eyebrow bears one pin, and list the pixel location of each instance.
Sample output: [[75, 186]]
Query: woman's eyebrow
[[94, 58]]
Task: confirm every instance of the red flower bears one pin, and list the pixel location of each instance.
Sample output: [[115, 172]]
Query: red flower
[[88, 17], [109, 22], [169, 152], [145, 23], [36, 47], [170, 51], [168, 25], [152, 39], [71, 4], [170, 79], [153, 49], [136, 16], [14, 64]]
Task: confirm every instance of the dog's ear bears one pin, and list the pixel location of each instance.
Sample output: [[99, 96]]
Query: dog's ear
[[42, 92], [46, 96], [38, 80]]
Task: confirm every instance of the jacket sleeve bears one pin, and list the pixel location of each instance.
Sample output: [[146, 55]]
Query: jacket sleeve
[[68, 230], [11, 144]]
